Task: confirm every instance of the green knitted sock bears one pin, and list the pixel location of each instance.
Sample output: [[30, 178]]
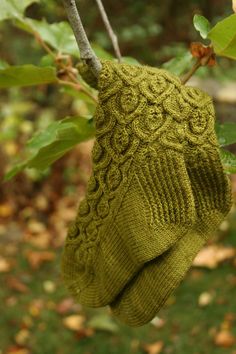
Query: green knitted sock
[[144, 296], [139, 199]]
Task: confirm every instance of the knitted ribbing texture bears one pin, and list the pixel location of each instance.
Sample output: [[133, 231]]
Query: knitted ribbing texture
[[145, 295]]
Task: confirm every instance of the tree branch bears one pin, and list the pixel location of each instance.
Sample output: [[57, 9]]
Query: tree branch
[[86, 52], [191, 72], [109, 29]]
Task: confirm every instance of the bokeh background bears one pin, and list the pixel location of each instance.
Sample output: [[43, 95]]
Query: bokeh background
[[37, 314]]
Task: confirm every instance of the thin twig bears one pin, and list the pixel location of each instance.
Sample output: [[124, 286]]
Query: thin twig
[[86, 52], [109, 29], [191, 72], [44, 45]]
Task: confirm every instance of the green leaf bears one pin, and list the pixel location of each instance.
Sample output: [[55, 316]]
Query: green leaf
[[103, 322], [58, 35], [229, 161], [223, 37], [26, 75], [180, 64], [202, 25], [226, 133], [13, 8], [48, 146]]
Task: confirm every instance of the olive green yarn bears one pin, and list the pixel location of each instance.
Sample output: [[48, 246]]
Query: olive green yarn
[[139, 200], [145, 295]]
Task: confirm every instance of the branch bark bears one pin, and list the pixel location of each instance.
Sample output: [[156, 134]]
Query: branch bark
[[86, 52], [109, 29]]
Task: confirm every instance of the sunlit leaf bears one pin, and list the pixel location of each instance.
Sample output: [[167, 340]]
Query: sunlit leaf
[[202, 25], [26, 75], [58, 35], [13, 8], [226, 133], [223, 37]]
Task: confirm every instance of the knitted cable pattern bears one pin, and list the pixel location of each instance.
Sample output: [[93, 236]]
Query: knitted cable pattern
[[145, 121]]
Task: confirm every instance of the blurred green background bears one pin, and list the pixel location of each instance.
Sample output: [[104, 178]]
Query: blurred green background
[[37, 314]]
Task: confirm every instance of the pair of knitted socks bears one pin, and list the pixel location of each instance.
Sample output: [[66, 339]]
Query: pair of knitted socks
[[156, 194]]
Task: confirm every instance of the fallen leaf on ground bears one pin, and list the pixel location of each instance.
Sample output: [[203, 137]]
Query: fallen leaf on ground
[[84, 333], [36, 307], [74, 322], [17, 350], [49, 286], [41, 240], [65, 306], [36, 227], [5, 265], [211, 256], [224, 339], [158, 322], [205, 299], [22, 337], [36, 259], [5, 210], [16, 284], [154, 348]]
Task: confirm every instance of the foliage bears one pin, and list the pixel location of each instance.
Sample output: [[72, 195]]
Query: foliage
[[58, 67], [202, 25]]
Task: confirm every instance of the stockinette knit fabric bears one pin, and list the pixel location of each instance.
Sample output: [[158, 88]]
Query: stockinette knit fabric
[[144, 296], [139, 200]]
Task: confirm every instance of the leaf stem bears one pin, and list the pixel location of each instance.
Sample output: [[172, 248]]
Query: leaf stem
[[77, 87]]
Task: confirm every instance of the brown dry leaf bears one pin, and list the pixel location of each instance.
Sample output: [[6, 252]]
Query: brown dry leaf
[[17, 350], [36, 227], [85, 333], [22, 337], [224, 339], [198, 50], [36, 307], [5, 210], [41, 202], [65, 306], [74, 322], [211, 256], [5, 265], [16, 284], [36, 259], [154, 348], [41, 240]]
